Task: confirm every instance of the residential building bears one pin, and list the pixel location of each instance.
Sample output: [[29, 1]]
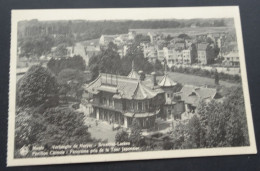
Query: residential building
[[205, 54], [161, 53], [106, 39], [150, 52], [192, 96], [231, 59], [92, 50], [187, 59], [172, 57]]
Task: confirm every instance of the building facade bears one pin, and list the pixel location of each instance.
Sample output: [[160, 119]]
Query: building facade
[[120, 99], [205, 54]]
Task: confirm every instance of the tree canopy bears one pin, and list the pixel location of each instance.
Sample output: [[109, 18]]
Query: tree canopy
[[218, 124], [56, 126], [108, 61], [38, 86], [75, 62]]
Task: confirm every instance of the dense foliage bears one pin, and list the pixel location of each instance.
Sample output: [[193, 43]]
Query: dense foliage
[[218, 124], [56, 126], [75, 62], [108, 61], [37, 87], [135, 52], [40, 118], [36, 46], [94, 29], [122, 136], [71, 81]]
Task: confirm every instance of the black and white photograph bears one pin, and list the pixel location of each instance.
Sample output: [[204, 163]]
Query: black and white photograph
[[99, 85]]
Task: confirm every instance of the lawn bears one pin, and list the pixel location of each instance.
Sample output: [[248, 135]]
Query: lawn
[[196, 80]]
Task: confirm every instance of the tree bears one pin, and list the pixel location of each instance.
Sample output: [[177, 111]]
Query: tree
[[194, 130], [36, 46], [56, 126], [64, 126], [136, 133], [179, 135], [72, 80], [236, 129], [135, 52], [75, 62], [37, 87], [122, 136], [28, 125], [108, 61], [224, 123], [61, 50], [184, 36]]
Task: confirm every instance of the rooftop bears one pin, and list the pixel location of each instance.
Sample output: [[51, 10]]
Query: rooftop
[[122, 86], [192, 95], [203, 46], [166, 81]]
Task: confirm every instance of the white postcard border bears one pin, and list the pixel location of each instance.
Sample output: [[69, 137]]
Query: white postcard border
[[11, 161]]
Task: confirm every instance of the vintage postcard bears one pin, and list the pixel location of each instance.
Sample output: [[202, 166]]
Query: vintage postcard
[[98, 85]]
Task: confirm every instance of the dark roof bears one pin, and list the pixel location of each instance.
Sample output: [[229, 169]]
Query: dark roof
[[193, 95], [123, 87]]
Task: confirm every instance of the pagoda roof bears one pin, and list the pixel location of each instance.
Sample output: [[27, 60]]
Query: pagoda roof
[[122, 87], [166, 81], [133, 74]]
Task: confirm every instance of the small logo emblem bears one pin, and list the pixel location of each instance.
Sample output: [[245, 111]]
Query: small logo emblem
[[24, 151]]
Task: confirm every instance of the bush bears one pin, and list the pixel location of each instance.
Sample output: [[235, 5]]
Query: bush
[[122, 136], [168, 145]]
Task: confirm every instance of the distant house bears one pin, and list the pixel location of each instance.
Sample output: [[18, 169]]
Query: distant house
[[192, 95], [106, 39], [205, 53], [131, 35], [231, 59], [161, 54], [189, 54], [194, 25], [150, 52], [179, 57], [70, 51], [92, 50], [172, 57]]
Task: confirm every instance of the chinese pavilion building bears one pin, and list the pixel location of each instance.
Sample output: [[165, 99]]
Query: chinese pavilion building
[[120, 99]]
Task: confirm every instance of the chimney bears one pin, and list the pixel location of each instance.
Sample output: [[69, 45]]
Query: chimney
[[141, 75], [154, 78]]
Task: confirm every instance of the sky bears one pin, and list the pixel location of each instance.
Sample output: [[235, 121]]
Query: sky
[[126, 13]]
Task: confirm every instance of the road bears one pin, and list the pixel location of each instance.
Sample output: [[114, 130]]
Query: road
[[79, 49]]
